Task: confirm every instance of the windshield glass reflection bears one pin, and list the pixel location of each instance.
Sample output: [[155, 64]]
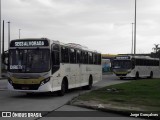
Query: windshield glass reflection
[[29, 60]]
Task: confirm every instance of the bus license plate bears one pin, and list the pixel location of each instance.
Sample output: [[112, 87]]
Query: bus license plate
[[25, 88]]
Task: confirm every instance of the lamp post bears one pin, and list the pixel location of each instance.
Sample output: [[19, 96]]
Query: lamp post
[[8, 34], [19, 33], [3, 38], [132, 38], [135, 27], [0, 44]]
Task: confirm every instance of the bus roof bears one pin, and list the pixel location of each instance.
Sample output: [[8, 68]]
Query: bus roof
[[70, 45]]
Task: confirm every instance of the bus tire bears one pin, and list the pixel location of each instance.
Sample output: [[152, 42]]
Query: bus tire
[[90, 83], [151, 75], [64, 88], [137, 76]]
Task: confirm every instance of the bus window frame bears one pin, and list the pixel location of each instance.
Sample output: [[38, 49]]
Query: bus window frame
[[56, 67]]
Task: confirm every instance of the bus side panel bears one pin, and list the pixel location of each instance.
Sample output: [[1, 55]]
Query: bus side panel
[[71, 71], [56, 81], [84, 75], [74, 81]]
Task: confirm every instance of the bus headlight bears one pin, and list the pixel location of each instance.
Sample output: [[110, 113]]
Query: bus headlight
[[129, 71], [10, 81], [45, 81]]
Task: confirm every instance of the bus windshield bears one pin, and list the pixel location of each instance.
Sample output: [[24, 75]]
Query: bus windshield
[[30, 60], [122, 64]]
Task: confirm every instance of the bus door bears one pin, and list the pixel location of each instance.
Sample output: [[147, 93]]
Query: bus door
[[55, 57]]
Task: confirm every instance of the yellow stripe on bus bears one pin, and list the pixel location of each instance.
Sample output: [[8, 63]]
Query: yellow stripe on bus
[[27, 81], [120, 72]]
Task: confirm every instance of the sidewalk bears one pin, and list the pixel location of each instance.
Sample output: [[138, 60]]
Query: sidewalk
[[3, 84]]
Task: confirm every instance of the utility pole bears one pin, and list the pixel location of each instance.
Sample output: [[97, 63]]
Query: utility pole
[[0, 44], [135, 27], [132, 38], [8, 34], [3, 38]]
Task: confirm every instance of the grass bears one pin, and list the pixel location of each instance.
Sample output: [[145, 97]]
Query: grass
[[144, 92]]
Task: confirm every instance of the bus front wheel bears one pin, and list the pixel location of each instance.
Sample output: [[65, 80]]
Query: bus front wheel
[[63, 88]]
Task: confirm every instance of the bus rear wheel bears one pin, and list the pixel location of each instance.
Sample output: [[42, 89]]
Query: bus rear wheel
[[151, 75], [90, 83], [137, 76]]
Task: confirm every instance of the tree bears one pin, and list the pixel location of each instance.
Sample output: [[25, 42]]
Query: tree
[[156, 48]]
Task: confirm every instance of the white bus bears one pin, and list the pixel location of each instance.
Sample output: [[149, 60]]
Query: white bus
[[135, 66], [43, 65]]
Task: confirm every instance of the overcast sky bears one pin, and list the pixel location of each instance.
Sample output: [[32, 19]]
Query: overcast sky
[[103, 25]]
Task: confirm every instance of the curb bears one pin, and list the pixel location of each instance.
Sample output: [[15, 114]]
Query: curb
[[111, 109]]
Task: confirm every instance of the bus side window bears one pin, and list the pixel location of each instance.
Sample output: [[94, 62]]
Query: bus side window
[[138, 62], [85, 57], [133, 64], [64, 55], [158, 63], [78, 56], [99, 59], [95, 58], [90, 58], [72, 56], [82, 57], [55, 58]]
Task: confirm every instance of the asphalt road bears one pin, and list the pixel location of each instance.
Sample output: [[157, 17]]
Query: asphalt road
[[16, 101]]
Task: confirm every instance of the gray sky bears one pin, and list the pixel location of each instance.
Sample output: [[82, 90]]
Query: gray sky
[[103, 25]]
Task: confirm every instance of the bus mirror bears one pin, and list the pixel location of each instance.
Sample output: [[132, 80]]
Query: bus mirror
[[5, 58], [5, 61]]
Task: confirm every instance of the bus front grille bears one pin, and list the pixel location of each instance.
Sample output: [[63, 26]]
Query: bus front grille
[[121, 74], [26, 86]]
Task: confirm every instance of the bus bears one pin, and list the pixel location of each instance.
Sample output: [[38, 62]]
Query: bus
[[135, 66], [43, 65]]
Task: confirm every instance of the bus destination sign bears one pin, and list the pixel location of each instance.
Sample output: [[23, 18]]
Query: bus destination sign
[[122, 57], [29, 43]]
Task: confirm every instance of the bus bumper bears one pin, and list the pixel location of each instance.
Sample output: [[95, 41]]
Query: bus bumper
[[42, 88]]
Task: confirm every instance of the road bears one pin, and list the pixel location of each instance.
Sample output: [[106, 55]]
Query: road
[[16, 101]]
